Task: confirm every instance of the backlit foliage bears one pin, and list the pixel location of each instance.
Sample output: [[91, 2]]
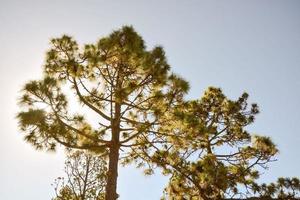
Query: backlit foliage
[[284, 188], [206, 148], [117, 70], [126, 85], [85, 178], [143, 118]]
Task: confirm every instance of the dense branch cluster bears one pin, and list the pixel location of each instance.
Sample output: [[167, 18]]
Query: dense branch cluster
[[85, 178], [143, 118], [116, 72], [206, 149]]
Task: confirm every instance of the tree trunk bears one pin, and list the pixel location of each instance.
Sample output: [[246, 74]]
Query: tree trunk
[[112, 176]]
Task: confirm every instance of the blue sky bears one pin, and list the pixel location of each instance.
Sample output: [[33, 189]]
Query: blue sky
[[251, 46]]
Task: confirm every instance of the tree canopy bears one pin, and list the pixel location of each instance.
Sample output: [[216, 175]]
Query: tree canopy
[[206, 149], [143, 118], [118, 79], [85, 177]]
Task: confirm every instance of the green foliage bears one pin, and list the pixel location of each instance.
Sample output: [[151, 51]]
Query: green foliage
[[126, 85], [116, 71], [284, 188], [205, 148], [203, 145]]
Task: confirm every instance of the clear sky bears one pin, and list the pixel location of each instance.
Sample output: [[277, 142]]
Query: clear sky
[[251, 46]]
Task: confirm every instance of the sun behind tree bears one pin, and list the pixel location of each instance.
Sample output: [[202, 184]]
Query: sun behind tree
[[142, 118], [127, 86]]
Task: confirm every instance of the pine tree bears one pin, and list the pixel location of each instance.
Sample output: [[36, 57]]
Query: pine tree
[[126, 85], [204, 146], [142, 117]]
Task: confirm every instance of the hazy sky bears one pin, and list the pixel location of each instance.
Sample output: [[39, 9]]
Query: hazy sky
[[251, 46]]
